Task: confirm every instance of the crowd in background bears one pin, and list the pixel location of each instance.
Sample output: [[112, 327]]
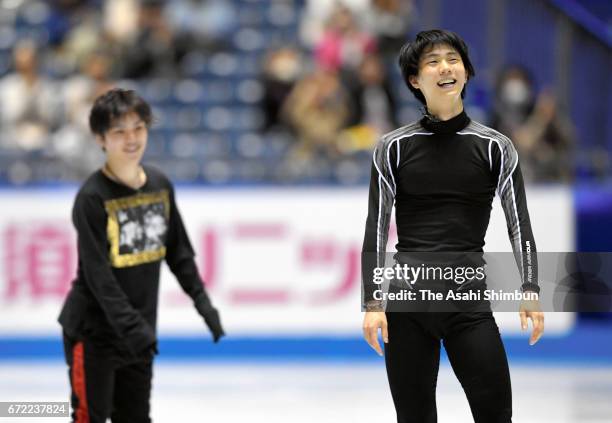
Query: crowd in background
[[329, 90]]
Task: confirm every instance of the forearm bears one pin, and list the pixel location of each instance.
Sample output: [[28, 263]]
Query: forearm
[[514, 202], [186, 273], [380, 205]]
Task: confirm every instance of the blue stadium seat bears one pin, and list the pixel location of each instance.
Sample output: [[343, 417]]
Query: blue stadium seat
[[188, 91], [156, 144], [218, 171], [8, 36], [158, 90], [218, 118], [282, 15], [189, 118], [184, 145], [249, 40], [248, 118], [222, 64], [214, 144], [218, 91], [250, 146], [194, 64]]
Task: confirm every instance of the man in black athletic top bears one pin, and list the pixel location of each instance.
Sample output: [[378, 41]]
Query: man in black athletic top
[[441, 173], [127, 222]]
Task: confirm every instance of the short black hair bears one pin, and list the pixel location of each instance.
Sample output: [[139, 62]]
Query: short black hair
[[113, 105], [411, 52]]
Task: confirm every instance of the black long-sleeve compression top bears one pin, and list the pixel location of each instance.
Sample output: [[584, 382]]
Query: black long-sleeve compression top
[[442, 177]]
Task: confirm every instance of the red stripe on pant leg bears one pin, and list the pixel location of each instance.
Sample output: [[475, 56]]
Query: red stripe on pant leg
[[78, 383]]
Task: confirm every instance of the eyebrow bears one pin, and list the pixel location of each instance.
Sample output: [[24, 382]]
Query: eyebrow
[[119, 126], [429, 55]]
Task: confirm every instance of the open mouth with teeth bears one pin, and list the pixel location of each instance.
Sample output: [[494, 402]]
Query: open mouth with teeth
[[132, 149], [447, 83]]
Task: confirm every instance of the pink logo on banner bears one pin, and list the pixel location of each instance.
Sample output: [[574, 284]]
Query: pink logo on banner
[[208, 263], [313, 254], [248, 232], [328, 253], [39, 260]]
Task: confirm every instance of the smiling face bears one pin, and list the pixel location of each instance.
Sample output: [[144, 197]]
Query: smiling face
[[126, 140], [441, 76]]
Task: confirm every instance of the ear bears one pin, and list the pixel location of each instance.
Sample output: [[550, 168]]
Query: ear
[[101, 142], [413, 81]]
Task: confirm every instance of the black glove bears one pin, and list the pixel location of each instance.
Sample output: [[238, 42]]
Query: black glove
[[152, 351], [211, 317], [148, 353]]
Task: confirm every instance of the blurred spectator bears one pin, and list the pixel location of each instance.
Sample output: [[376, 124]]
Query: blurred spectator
[[27, 102], [80, 90], [205, 24], [389, 21], [344, 44], [542, 135], [120, 19], [315, 17], [153, 51], [372, 104], [84, 37], [372, 98], [317, 109], [62, 17], [73, 140], [282, 69]]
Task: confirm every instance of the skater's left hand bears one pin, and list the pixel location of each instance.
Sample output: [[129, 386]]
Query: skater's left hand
[[211, 317], [531, 310]]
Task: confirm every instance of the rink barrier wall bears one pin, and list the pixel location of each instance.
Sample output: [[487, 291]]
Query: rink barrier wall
[[284, 267], [588, 344]]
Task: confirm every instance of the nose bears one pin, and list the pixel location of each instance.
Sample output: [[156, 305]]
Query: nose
[[444, 67], [130, 136]]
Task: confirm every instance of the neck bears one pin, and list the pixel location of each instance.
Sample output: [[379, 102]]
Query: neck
[[446, 111], [131, 175]]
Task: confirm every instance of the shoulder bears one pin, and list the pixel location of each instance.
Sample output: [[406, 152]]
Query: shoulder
[[403, 133], [92, 186], [506, 152], [89, 199], [484, 132], [157, 177], [407, 131], [505, 149]]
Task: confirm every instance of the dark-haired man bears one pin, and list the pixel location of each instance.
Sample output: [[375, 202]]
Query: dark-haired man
[[127, 222], [441, 174]]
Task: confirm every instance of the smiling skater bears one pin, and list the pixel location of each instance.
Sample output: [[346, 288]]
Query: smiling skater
[[441, 174], [127, 222]]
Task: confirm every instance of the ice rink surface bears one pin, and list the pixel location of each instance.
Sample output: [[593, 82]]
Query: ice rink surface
[[323, 393]]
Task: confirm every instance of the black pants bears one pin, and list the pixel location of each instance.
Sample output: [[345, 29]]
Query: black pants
[[106, 384], [476, 354]]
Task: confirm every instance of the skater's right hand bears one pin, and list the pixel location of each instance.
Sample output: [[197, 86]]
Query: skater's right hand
[[373, 321]]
